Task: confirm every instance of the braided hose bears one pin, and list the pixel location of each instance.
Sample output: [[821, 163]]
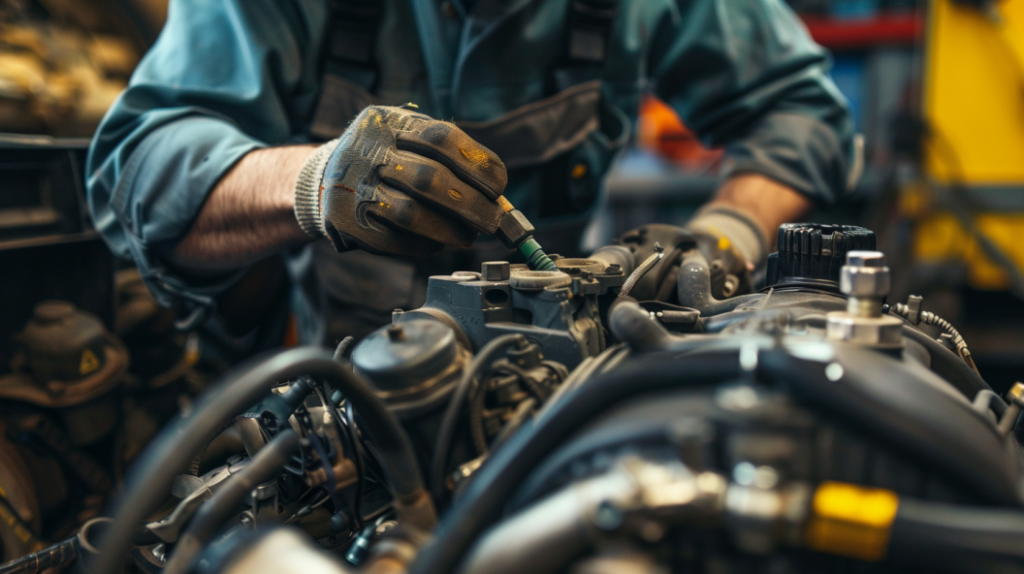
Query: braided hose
[[642, 270], [929, 318]]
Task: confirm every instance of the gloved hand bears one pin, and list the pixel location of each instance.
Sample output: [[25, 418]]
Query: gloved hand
[[398, 182], [733, 244]]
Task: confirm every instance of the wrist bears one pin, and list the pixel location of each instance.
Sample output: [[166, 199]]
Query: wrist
[[308, 192]]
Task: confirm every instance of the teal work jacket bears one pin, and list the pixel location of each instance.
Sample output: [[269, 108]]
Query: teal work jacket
[[226, 77]]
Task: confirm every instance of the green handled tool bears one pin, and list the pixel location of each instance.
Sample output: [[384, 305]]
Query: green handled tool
[[516, 232]]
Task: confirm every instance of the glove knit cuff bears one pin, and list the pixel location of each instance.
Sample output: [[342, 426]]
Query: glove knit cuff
[[307, 190], [743, 233]]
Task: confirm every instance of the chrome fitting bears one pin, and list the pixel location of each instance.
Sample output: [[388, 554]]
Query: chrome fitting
[[865, 280]]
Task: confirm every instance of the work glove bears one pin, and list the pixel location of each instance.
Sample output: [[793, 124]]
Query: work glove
[[398, 182], [734, 246], [730, 241]]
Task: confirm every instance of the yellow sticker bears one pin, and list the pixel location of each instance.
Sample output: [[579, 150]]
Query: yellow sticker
[[89, 362]]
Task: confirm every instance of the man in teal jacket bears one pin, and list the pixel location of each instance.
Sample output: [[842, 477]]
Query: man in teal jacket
[[214, 159]]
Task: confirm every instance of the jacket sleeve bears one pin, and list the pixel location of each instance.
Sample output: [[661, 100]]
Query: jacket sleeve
[[224, 78], [744, 74]]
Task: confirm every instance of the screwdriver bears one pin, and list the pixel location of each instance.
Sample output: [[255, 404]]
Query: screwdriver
[[516, 232]]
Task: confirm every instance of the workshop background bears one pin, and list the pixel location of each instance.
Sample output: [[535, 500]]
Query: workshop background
[[937, 87]]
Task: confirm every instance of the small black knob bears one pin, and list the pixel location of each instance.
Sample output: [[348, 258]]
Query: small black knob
[[813, 253]]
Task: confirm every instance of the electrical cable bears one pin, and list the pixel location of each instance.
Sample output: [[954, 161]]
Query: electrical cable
[[447, 430], [265, 466], [929, 318], [169, 454], [357, 503]]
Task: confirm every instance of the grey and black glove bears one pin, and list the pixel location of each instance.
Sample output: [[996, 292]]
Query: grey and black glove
[[730, 240], [398, 182], [726, 237]]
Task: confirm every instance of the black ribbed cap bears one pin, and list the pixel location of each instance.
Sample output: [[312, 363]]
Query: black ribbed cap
[[815, 252]]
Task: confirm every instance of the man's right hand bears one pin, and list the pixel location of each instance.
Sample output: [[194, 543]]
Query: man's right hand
[[398, 182]]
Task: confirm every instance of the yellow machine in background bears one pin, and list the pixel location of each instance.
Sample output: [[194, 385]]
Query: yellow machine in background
[[974, 107]]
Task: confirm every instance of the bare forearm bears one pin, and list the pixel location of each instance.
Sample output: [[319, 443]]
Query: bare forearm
[[248, 216], [766, 201]]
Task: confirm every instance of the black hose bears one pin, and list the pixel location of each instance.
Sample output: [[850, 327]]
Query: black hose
[[950, 535], [988, 401], [481, 504], [911, 413], [169, 454], [451, 414], [197, 460], [881, 398], [265, 466], [476, 420]]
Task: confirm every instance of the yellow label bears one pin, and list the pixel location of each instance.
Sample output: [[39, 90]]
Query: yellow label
[[88, 363], [851, 520]]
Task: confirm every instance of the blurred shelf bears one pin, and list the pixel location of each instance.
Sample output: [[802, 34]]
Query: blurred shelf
[[860, 34]]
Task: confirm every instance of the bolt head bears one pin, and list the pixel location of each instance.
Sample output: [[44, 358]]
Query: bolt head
[[865, 259], [396, 333], [865, 281], [495, 271]]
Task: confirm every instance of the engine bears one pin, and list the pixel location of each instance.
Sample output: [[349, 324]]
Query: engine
[[635, 411]]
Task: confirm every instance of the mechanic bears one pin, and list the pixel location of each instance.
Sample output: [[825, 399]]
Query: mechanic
[[225, 152]]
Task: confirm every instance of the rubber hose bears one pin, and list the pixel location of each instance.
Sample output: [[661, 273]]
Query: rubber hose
[[149, 481], [950, 535], [451, 413], [485, 498], [482, 502], [197, 460], [476, 421], [928, 424], [203, 526]]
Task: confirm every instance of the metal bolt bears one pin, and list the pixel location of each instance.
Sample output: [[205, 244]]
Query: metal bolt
[[865, 259], [396, 333], [495, 271], [866, 281]]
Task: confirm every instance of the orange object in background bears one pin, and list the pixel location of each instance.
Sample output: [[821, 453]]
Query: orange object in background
[[660, 131]]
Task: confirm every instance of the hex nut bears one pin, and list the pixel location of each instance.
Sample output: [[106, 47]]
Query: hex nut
[[513, 228], [880, 332], [865, 281]]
